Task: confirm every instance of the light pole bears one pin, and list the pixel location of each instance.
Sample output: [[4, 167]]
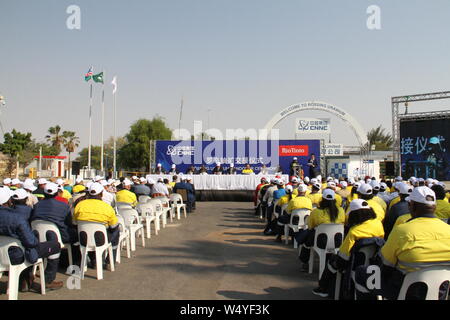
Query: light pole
[[2, 104]]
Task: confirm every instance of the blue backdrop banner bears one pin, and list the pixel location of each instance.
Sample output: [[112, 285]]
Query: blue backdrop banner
[[272, 153]]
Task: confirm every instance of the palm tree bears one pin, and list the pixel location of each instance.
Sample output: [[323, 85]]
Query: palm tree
[[70, 142], [54, 137], [381, 140]]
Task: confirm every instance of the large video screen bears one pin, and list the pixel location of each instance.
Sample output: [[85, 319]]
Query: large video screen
[[424, 148]]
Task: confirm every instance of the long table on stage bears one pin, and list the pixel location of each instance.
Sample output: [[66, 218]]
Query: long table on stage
[[223, 187]]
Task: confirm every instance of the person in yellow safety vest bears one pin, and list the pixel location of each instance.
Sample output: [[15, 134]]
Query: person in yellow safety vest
[[247, 170], [365, 192], [65, 194], [442, 206], [315, 196], [353, 194], [332, 185], [422, 242], [327, 212], [79, 186], [362, 224], [376, 189], [344, 192], [125, 195]]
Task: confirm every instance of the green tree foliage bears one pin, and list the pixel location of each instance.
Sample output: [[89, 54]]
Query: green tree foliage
[[381, 140], [135, 154], [95, 157], [55, 137], [14, 145], [70, 142], [32, 150]]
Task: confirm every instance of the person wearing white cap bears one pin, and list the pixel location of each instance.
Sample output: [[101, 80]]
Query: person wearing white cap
[[442, 205], [332, 185], [96, 210], [267, 202], [39, 192], [29, 187], [15, 184], [295, 168], [106, 196], [284, 218], [79, 186], [422, 242], [315, 195], [159, 189], [365, 192], [394, 196], [376, 187], [384, 193], [327, 212], [173, 169], [7, 182], [14, 225], [189, 190], [141, 188], [343, 192], [399, 209], [159, 169], [125, 195], [218, 169], [362, 224], [19, 199], [65, 194]]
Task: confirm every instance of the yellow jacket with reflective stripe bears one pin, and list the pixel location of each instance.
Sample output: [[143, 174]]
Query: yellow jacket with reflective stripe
[[402, 219], [315, 198], [319, 216], [381, 202], [126, 196], [301, 202], [394, 201], [417, 244], [66, 195], [442, 209], [96, 211], [78, 188], [368, 229]]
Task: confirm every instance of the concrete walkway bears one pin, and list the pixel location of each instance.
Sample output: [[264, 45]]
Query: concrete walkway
[[218, 252]]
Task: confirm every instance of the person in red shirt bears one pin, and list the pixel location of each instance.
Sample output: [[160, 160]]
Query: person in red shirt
[[258, 187], [59, 196]]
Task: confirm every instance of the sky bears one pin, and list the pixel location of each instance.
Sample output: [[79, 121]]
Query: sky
[[243, 60]]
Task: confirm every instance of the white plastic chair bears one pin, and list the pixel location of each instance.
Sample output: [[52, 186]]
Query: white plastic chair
[[148, 215], [120, 205], [302, 214], [159, 212], [166, 207], [133, 224], [330, 229], [177, 204], [124, 239], [433, 277], [90, 228], [14, 271], [42, 227], [143, 199]]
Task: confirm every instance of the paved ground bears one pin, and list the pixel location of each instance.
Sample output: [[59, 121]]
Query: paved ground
[[218, 252]]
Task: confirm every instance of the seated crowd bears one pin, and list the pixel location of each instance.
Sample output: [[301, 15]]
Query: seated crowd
[[218, 169], [64, 205], [407, 221]]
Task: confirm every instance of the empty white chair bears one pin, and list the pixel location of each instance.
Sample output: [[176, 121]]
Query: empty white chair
[[177, 204], [132, 222], [159, 212], [301, 214], [124, 239], [120, 205], [331, 230], [148, 215], [14, 271], [86, 233], [433, 277], [42, 227]]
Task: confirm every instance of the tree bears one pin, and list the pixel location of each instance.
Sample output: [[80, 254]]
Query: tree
[[135, 154], [381, 140], [109, 150], [55, 138], [70, 142], [33, 149], [95, 157], [14, 145]]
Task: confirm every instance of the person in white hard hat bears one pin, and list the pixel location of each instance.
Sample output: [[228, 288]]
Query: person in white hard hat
[[218, 170], [159, 169], [173, 170]]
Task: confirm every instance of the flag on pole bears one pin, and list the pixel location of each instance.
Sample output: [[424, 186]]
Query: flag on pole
[[98, 77], [114, 83], [89, 74]]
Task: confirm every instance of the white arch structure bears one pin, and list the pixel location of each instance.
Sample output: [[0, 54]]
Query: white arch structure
[[360, 133]]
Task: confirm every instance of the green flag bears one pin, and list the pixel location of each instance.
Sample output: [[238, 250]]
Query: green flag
[[98, 77]]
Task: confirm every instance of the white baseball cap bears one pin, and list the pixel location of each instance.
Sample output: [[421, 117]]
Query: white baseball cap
[[7, 181], [19, 194], [111, 182], [231, 165], [126, 182], [429, 181], [357, 185], [295, 180], [29, 186], [423, 195], [383, 186], [375, 185], [142, 179], [399, 178], [344, 184], [358, 204], [95, 189], [151, 181], [295, 158], [16, 181], [97, 178], [51, 188], [158, 165], [328, 194], [365, 189], [302, 188], [174, 166], [330, 179], [306, 179], [79, 179], [403, 188], [331, 184], [88, 184], [289, 188], [42, 181], [103, 183], [5, 195], [313, 180], [60, 182], [317, 185]]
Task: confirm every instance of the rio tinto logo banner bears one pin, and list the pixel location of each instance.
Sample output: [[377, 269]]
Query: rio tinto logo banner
[[293, 151], [312, 126]]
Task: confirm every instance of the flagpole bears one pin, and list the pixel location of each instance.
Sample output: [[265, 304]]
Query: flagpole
[[90, 133], [103, 122], [181, 114], [115, 134]]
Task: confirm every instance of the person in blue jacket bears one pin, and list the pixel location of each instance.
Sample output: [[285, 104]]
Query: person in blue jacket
[[19, 199], [190, 205], [13, 225]]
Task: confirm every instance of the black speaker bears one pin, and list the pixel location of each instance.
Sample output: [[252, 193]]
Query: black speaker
[[390, 168], [76, 168]]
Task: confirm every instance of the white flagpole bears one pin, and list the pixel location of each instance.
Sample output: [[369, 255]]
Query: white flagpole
[[103, 123], [115, 132], [90, 133], [181, 115]]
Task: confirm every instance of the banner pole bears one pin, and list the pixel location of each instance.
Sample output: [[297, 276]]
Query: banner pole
[[103, 124], [90, 134]]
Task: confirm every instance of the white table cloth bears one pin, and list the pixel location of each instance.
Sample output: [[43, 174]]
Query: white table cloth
[[223, 182]]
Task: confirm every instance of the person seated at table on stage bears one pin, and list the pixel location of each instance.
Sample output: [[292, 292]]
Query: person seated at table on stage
[[218, 169], [191, 170], [15, 226], [184, 185], [202, 170], [362, 224], [159, 189], [159, 169], [125, 195], [247, 170], [141, 189], [231, 170], [264, 170], [173, 170], [327, 212]]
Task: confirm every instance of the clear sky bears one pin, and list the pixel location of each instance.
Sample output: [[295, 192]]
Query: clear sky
[[244, 60]]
